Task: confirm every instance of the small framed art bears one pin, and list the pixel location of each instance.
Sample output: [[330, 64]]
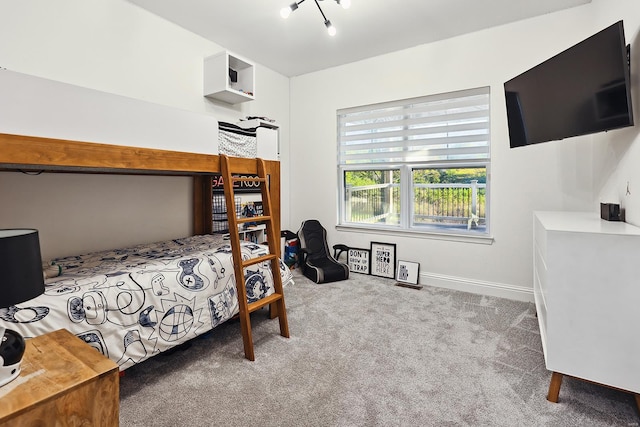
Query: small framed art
[[408, 272], [358, 260], [383, 259]]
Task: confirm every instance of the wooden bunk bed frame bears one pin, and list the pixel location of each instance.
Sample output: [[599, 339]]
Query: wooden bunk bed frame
[[20, 152], [30, 153]]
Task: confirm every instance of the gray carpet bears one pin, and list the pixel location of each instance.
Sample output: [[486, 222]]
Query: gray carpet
[[364, 352]]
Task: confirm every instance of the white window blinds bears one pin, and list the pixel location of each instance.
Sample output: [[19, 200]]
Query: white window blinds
[[438, 128]]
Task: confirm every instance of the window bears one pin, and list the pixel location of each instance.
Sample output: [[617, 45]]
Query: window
[[419, 164]]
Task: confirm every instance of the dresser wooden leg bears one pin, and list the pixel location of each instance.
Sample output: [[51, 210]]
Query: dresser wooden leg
[[554, 387]]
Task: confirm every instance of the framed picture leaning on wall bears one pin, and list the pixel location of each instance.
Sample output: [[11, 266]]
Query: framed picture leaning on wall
[[359, 260], [383, 259], [408, 272]]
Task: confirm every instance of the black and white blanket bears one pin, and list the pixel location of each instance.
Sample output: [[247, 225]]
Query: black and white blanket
[[133, 303], [236, 141]]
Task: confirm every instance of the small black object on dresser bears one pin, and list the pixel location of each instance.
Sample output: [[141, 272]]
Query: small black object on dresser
[[610, 211]]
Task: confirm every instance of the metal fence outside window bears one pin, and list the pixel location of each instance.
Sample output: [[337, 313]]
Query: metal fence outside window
[[446, 205]]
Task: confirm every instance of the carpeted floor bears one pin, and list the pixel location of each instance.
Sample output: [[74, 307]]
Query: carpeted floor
[[364, 352]]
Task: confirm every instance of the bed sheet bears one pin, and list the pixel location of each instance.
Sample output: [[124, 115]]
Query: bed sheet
[[133, 303]]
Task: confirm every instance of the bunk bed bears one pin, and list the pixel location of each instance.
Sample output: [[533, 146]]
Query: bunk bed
[[133, 303]]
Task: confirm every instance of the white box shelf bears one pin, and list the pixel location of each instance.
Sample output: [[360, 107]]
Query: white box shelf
[[217, 80]]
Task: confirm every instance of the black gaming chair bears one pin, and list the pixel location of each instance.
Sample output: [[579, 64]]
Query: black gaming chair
[[317, 263]]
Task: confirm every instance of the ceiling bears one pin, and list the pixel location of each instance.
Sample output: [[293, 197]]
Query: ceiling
[[300, 44]]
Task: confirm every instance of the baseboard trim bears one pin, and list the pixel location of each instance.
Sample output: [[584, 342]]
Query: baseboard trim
[[517, 293]]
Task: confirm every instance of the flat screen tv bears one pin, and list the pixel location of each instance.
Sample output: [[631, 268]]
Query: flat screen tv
[[580, 91]]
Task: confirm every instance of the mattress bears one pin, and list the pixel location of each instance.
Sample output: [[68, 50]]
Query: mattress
[[133, 303]]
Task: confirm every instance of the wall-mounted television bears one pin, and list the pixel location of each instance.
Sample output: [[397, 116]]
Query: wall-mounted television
[[582, 90]]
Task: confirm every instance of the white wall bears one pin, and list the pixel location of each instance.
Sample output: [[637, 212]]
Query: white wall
[[116, 47], [618, 153], [567, 175]]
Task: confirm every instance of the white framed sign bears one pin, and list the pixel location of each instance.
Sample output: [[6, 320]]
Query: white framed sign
[[359, 260], [383, 259], [408, 272]]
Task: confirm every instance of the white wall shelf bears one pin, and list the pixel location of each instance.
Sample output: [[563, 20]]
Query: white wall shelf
[[217, 81]]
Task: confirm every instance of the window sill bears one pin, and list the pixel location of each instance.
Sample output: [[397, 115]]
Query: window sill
[[452, 237]]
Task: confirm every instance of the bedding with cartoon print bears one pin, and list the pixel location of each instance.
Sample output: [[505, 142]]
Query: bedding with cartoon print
[[133, 303]]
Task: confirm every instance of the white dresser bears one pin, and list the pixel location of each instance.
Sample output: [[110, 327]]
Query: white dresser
[[587, 293]]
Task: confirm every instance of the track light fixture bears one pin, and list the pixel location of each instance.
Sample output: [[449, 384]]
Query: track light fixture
[[286, 11]]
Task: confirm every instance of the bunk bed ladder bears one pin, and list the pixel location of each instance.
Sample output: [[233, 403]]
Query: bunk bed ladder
[[277, 298]]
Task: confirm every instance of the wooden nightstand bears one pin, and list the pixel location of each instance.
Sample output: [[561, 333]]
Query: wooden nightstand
[[64, 382]]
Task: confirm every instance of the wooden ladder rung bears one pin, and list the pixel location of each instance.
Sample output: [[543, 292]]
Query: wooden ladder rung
[[253, 306], [253, 219], [257, 260]]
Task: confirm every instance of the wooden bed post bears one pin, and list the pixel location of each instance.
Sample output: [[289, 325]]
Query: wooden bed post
[[273, 170], [202, 205]]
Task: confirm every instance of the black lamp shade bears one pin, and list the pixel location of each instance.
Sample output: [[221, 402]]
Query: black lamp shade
[[21, 277]]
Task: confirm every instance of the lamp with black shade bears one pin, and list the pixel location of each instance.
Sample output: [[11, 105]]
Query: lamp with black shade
[[21, 279]]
